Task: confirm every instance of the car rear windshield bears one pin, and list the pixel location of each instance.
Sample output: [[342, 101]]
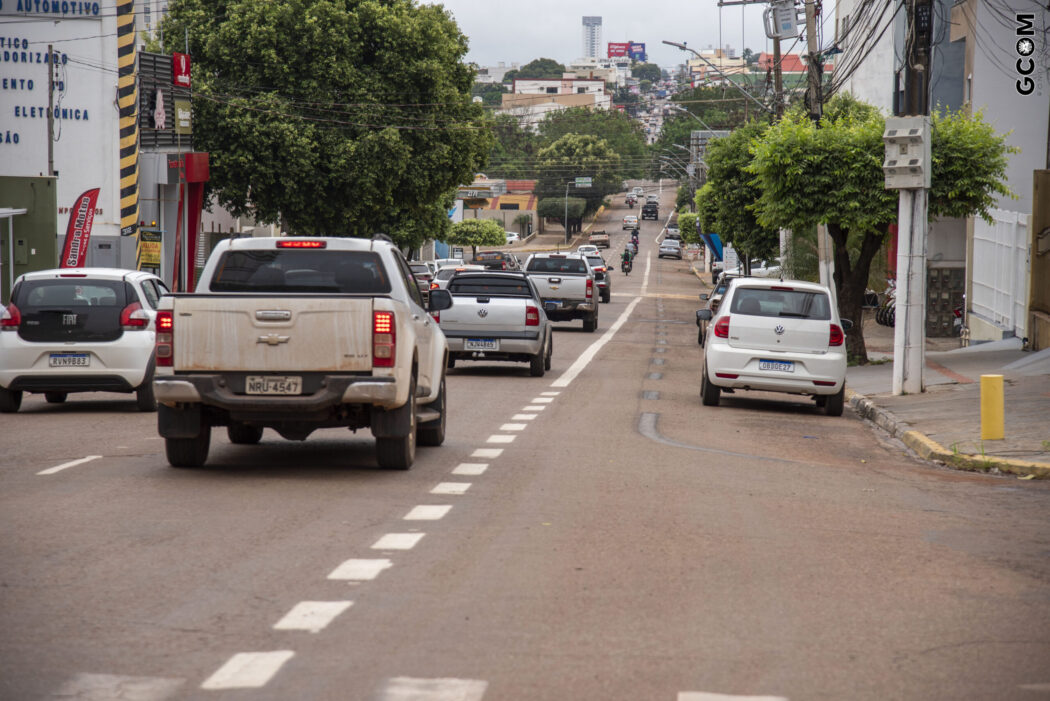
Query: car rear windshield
[[297, 270], [72, 309], [493, 286], [781, 302], [557, 265], [419, 268], [596, 261]]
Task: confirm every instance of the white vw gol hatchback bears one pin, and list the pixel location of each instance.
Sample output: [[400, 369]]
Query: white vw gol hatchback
[[776, 336]]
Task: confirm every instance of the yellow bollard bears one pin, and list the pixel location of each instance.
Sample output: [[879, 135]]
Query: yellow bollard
[[992, 408]]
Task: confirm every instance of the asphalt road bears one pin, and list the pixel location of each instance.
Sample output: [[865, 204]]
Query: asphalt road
[[600, 535]]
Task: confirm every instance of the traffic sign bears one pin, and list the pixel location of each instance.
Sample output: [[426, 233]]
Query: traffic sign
[[583, 182]]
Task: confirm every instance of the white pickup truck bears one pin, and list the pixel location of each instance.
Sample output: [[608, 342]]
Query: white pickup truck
[[297, 334], [566, 286], [497, 316]]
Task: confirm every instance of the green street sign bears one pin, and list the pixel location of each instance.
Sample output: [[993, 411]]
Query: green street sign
[[583, 182]]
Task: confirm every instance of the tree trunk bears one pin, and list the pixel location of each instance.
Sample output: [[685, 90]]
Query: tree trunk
[[851, 281]]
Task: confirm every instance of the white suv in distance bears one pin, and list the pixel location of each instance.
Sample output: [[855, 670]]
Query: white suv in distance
[[79, 330], [776, 336]]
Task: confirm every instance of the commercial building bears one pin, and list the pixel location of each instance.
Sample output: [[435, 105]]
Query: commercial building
[[531, 99]]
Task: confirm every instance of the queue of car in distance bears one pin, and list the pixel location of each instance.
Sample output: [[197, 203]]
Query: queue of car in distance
[[775, 336], [79, 330], [630, 222]]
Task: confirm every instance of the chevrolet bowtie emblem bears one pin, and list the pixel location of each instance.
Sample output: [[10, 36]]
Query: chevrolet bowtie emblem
[[272, 339]]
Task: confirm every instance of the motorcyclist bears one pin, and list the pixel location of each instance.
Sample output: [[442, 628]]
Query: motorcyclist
[[626, 259]]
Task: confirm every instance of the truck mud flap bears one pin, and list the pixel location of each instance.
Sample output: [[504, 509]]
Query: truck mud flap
[[179, 423]]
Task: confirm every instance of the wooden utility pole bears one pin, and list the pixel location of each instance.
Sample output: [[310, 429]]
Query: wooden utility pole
[[50, 110], [813, 93], [778, 81]]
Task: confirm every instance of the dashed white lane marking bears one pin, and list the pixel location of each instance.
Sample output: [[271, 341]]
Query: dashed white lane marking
[[451, 488], [106, 687], [313, 616], [66, 465], [523, 417], [499, 438], [427, 513], [470, 468], [708, 696], [398, 541], [248, 670], [487, 453], [513, 427], [361, 570], [550, 394], [543, 400], [411, 689], [588, 355], [534, 407], [648, 267]]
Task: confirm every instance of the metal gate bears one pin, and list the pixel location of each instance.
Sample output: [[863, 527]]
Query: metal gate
[[1000, 270]]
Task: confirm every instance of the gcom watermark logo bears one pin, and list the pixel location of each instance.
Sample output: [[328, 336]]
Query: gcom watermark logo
[[1025, 48]]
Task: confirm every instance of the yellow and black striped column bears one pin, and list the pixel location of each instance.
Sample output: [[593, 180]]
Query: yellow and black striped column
[[128, 102]]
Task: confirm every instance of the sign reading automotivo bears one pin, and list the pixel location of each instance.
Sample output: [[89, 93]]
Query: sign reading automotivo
[[51, 8]]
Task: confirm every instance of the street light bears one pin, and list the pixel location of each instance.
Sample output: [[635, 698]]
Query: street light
[[679, 108], [746, 94]]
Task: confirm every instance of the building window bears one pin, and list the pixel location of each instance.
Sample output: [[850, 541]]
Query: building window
[[552, 91], [581, 91], [146, 13]]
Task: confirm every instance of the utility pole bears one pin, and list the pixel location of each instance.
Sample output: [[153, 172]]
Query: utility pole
[[813, 93], [50, 110], [907, 140], [778, 81]]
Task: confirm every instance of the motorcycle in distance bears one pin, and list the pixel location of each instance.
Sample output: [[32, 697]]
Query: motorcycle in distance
[[625, 266]]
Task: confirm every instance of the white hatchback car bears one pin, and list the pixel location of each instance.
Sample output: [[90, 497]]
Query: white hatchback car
[[776, 336], [79, 330]]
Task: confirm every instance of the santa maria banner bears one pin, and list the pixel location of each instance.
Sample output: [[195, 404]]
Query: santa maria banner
[[78, 231]]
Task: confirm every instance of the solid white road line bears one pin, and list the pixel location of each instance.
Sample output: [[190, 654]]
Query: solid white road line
[[313, 616], [588, 355], [411, 689], [523, 417], [248, 670], [499, 438], [66, 465], [458, 488], [513, 427], [707, 696], [115, 686], [534, 407], [487, 453], [470, 468], [427, 513], [398, 541], [360, 570]]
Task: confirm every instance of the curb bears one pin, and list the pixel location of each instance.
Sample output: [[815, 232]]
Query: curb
[[929, 449]]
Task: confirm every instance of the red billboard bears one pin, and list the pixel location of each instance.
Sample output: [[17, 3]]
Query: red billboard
[[180, 70], [78, 231], [616, 50]]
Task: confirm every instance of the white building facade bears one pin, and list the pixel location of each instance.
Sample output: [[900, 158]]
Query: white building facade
[[592, 37]]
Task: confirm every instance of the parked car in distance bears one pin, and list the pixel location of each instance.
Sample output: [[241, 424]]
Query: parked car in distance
[[497, 316], [630, 222], [601, 272], [512, 237], [670, 248], [765, 268], [496, 260], [776, 336], [79, 330]]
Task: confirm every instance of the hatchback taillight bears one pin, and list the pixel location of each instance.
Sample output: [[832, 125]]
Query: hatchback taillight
[[532, 316], [722, 327], [836, 338], [384, 339], [165, 344], [11, 318], [133, 317]]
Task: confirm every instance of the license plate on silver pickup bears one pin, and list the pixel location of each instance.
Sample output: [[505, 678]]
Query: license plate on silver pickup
[[481, 344], [69, 360], [777, 365], [273, 384]]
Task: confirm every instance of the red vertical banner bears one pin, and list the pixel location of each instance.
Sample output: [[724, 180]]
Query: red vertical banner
[[78, 230]]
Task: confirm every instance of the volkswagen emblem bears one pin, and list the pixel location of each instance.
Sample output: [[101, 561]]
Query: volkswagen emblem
[[779, 330], [483, 312]]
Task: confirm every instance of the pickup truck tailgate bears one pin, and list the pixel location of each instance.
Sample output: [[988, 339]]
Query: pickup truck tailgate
[[306, 334]]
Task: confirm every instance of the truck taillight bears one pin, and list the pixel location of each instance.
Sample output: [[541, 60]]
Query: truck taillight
[[384, 339], [590, 288], [504, 265], [165, 344], [133, 317], [532, 316], [722, 327], [836, 337], [11, 318]]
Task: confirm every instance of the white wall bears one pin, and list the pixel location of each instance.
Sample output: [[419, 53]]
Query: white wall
[[872, 81]]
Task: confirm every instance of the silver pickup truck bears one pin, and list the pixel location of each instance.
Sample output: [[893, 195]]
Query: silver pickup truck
[[566, 286], [497, 316]]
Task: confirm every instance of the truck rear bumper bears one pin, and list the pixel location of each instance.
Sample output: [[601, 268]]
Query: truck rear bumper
[[335, 390]]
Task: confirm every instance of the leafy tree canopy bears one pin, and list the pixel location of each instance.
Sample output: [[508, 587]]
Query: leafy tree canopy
[[491, 94], [577, 155], [312, 129], [623, 134], [554, 207], [687, 227], [537, 68], [646, 71], [476, 232]]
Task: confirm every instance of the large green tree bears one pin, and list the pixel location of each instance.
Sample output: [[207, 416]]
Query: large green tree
[[832, 175], [578, 155], [646, 71], [537, 68], [623, 134], [327, 113], [476, 232], [514, 149]]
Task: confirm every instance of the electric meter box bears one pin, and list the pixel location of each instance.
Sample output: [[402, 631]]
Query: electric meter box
[[780, 20], [907, 165]]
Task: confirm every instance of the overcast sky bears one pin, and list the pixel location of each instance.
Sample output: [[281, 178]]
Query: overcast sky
[[521, 31]]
